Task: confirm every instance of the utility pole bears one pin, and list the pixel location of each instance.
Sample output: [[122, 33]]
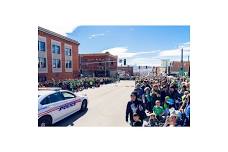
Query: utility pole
[[139, 71], [105, 68], [188, 67], [81, 66], [182, 64]]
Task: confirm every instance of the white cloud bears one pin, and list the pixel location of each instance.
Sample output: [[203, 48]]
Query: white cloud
[[147, 52], [58, 28], [185, 45], [138, 58], [174, 52], [120, 51], [144, 61], [150, 58], [96, 35]]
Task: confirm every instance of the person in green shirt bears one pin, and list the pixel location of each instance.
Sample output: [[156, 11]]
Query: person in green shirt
[[158, 109]]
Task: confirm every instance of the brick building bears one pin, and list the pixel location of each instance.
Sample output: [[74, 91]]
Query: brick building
[[57, 56], [176, 65], [98, 64], [126, 70]]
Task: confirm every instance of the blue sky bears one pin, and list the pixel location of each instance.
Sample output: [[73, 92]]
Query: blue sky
[[140, 45]]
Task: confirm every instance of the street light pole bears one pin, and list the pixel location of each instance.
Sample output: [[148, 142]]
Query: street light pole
[[139, 71], [105, 68], [188, 67], [81, 67], [182, 64]]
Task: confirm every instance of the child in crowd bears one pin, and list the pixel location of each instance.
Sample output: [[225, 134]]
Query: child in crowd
[[158, 110]]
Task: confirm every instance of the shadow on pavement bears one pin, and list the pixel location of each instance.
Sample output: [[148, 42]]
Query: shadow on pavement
[[69, 121]]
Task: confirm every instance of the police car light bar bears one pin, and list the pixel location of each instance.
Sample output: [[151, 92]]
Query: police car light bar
[[50, 88]]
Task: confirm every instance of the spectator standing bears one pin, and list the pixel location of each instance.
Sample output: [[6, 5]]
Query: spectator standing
[[135, 107]]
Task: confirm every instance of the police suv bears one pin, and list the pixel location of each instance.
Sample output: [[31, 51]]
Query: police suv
[[55, 104]]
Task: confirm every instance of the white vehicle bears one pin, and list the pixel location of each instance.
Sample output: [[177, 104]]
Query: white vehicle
[[55, 104]]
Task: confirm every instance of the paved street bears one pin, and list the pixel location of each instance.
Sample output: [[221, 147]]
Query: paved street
[[107, 105]]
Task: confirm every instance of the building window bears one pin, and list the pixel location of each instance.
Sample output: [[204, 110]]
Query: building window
[[68, 64], [56, 63], [42, 78], [42, 63], [68, 51], [41, 46], [55, 49]]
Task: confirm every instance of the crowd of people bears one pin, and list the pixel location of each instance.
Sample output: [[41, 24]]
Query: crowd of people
[[159, 101], [76, 85]]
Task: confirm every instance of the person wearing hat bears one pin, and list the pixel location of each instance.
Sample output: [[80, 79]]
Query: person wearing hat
[[167, 105], [135, 107], [139, 91], [171, 121], [152, 121], [175, 118], [170, 102]]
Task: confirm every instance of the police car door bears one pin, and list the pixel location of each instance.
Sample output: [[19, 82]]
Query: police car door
[[53, 103], [70, 99]]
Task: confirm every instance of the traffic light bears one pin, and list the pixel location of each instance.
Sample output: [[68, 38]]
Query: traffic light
[[146, 67], [124, 61], [139, 67]]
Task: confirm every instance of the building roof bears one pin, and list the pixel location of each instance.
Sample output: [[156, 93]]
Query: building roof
[[57, 35], [98, 54], [125, 67]]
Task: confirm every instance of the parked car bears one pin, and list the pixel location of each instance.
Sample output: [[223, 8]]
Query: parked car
[[55, 104]]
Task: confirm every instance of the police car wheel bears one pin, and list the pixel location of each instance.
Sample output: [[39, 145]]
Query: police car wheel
[[84, 105], [44, 121]]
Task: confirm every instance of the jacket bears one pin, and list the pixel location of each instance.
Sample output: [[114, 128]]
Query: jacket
[[135, 107]]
